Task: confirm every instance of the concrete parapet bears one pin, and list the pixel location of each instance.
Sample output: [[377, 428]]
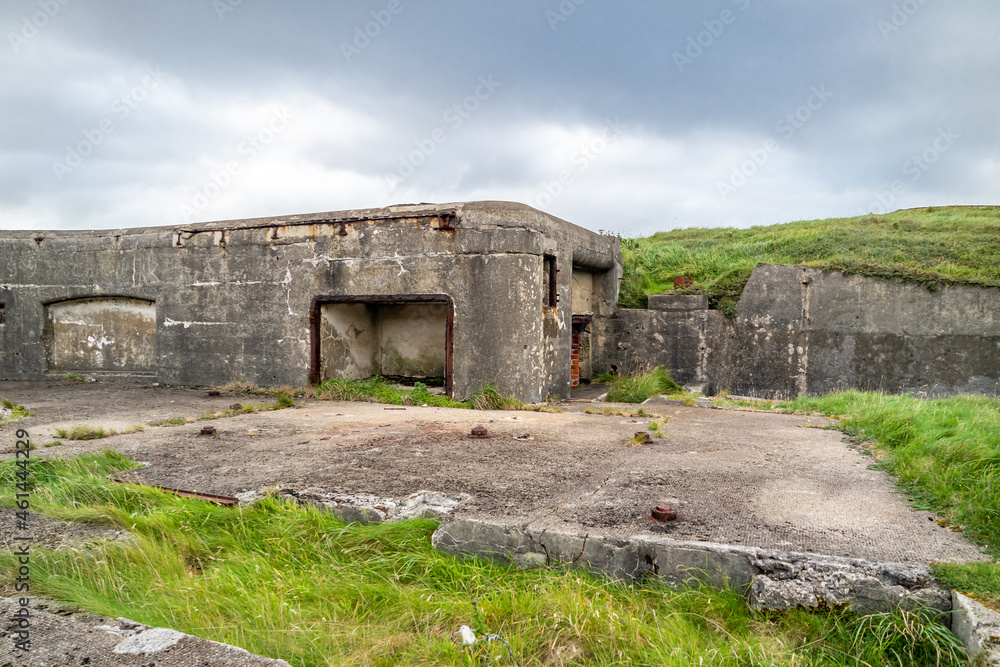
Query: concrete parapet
[[678, 302]]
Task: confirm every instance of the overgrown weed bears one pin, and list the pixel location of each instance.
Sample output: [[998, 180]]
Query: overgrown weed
[[638, 384]]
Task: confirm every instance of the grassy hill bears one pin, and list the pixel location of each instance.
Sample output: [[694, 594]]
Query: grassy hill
[[937, 245]]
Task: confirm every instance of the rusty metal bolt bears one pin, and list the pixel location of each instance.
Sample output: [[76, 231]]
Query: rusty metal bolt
[[643, 438], [213, 393], [207, 430], [479, 432], [664, 513]]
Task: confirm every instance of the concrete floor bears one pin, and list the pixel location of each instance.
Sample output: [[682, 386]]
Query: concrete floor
[[748, 478]]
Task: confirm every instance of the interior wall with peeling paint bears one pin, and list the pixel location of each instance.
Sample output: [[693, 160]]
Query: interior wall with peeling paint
[[412, 339], [364, 339], [349, 341], [101, 335]]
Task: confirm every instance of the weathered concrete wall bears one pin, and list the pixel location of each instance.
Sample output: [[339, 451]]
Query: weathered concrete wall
[[412, 340], [233, 299], [349, 341], [799, 330], [106, 335], [583, 291], [695, 345], [806, 331]]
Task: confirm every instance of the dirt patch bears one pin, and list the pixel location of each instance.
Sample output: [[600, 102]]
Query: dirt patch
[[52, 534]]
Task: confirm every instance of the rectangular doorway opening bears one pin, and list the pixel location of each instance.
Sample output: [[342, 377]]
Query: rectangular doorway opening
[[581, 366], [407, 338]]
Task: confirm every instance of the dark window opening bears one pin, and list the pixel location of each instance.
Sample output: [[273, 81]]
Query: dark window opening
[[550, 281]]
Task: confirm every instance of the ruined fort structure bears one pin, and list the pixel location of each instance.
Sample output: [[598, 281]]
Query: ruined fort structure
[[799, 330], [476, 293]]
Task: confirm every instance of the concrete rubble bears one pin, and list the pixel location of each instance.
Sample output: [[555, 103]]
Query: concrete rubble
[[360, 508], [977, 627], [776, 580]]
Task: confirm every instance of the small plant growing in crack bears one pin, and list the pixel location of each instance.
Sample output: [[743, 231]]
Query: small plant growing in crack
[[87, 432]]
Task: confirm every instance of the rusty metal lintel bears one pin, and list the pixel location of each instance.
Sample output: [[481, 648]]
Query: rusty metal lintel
[[183, 493], [443, 221]]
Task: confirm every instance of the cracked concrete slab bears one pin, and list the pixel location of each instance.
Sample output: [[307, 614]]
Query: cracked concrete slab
[[768, 481], [61, 637]]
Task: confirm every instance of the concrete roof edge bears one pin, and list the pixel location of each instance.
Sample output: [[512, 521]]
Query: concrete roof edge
[[394, 212]]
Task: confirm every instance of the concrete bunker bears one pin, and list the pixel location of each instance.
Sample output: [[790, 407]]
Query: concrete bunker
[[103, 335], [408, 337]]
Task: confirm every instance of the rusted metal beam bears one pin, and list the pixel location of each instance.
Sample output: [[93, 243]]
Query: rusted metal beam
[[183, 493]]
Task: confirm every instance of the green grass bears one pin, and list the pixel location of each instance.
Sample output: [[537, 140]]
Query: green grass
[[749, 403], [13, 412], [945, 453], [170, 421], [615, 412], [658, 428], [87, 432], [293, 582], [946, 245], [282, 403], [378, 390], [638, 386]]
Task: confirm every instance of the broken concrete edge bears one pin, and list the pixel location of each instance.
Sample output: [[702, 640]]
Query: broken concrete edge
[[367, 509], [125, 637], [977, 627], [771, 580]]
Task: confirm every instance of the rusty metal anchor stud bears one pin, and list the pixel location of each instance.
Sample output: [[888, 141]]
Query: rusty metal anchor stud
[[664, 513]]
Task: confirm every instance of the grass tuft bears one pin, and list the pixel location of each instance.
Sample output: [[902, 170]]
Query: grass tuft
[[637, 386], [170, 421], [10, 411], [87, 432], [378, 390]]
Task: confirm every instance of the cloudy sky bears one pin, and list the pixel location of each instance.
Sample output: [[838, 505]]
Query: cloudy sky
[[626, 116]]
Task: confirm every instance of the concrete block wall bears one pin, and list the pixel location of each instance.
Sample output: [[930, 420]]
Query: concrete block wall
[[802, 331]]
